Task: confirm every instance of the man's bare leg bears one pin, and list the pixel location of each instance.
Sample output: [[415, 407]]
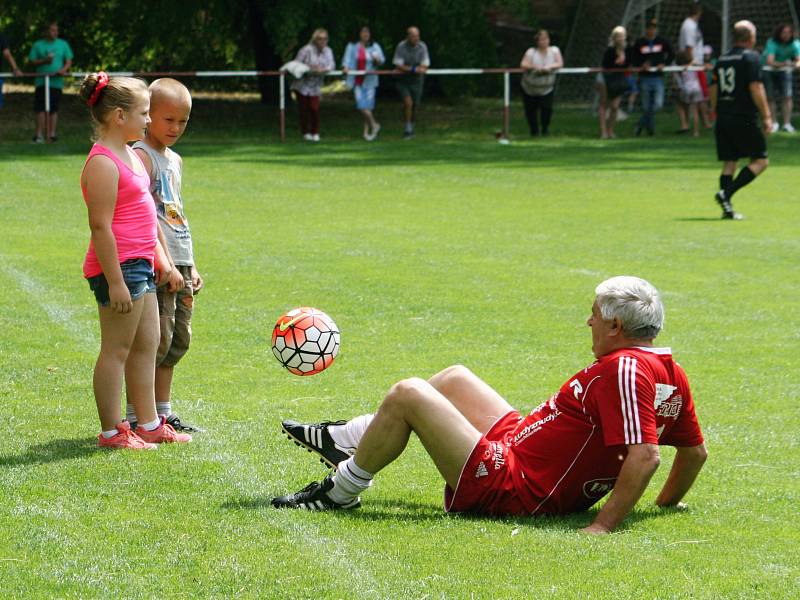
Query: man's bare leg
[[415, 405], [449, 427], [473, 397]]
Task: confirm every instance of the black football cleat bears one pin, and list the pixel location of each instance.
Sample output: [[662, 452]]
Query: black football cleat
[[314, 497], [179, 425], [314, 437], [727, 207]]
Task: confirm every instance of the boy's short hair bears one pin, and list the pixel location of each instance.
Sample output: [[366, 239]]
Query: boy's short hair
[[167, 87]]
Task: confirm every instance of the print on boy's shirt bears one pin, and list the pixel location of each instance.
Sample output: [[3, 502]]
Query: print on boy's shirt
[[169, 205]]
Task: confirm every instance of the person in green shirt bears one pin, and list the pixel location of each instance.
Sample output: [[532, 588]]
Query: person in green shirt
[[782, 53], [50, 55]]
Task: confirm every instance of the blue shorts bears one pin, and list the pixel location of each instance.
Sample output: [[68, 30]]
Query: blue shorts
[[138, 276], [365, 97]]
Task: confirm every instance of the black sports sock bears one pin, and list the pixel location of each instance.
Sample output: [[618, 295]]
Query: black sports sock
[[725, 181], [744, 177]]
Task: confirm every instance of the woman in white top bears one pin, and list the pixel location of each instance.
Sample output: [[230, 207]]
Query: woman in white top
[[318, 56], [538, 83]]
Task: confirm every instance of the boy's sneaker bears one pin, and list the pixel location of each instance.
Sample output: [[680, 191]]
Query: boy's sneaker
[[163, 434], [315, 437], [178, 425], [787, 127], [38, 139], [314, 497], [125, 439], [775, 128]]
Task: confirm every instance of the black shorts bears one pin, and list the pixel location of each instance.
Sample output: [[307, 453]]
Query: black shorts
[[38, 99], [738, 138]]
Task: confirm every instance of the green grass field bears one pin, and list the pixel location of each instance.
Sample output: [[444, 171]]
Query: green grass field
[[447, 249]]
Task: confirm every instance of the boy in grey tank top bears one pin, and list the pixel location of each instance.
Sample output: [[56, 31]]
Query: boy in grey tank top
[[170, 105]]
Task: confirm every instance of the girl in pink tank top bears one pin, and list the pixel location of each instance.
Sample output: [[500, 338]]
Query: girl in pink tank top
[[119, 263]]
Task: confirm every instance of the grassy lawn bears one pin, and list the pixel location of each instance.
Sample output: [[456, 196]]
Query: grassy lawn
[[449, 248]]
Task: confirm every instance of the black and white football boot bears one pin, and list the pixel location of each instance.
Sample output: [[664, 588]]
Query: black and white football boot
[[314, 497], [727, 207], [315, 437]]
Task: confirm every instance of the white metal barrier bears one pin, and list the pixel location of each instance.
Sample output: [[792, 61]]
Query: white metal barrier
[[281, 75]]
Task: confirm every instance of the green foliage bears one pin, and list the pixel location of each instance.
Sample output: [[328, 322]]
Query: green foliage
[[194, 35]]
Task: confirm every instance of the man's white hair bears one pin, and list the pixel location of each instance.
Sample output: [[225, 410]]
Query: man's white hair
[[635, 302]]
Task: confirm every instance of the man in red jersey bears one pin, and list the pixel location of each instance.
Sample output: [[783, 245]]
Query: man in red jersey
[[600, 433]]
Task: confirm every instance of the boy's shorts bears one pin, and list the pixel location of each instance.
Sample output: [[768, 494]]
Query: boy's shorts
[[486, 484], [175, 317], [38, 99], [138, 276]]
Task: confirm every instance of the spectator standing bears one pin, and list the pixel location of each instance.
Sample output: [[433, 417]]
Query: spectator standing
[[691, 40], [538, 83], [651, 51], [6, 52], [782, 54], [412, 59], [50, 55], [689, 92], [319, 58], [614, 84], [364, 55]]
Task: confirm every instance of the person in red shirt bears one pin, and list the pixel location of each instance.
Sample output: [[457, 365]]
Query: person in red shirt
[[600, 433]]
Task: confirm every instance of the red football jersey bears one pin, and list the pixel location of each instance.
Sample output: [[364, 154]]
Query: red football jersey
[[570, 449]]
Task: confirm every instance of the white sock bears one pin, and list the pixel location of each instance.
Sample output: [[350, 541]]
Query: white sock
[[164, 408], [110, 433], [151, 425], [349, 435], [409, 126], [130, 413], [349, 481]]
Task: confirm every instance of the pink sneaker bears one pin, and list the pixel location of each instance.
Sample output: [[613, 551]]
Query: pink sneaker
[[124, 439], [163, 434]]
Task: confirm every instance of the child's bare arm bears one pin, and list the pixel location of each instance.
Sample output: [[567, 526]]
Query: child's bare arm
[[100, 178]]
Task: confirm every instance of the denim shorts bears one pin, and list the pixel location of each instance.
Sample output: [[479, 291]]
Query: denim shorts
[[138, 276], [779, 84], [365, 97]]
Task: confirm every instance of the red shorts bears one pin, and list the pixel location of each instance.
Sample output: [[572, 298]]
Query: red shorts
[[486, 484]]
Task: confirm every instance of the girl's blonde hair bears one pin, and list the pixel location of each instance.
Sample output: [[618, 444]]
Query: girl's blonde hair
[[618, 30], [119, 92], [317, 32]]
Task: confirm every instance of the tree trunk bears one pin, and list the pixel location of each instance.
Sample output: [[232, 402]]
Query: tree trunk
[[263, 49]]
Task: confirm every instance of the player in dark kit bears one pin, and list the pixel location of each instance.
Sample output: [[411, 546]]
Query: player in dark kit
[[737, 94]]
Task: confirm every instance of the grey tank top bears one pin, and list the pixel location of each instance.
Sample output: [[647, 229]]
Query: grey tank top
[[165, 186]]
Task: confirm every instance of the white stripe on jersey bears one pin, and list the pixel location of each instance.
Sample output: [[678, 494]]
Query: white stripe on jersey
[[305, 432], [622, 397], [627, 393]]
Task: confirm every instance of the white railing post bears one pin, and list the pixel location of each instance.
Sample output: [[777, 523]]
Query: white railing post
[[506, 104], [47, 108], [282, 104]]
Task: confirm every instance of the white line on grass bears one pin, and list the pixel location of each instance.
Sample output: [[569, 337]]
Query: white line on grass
[[42, 295]]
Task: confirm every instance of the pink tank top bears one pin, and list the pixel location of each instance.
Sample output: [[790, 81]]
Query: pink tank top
[[134, 222]]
